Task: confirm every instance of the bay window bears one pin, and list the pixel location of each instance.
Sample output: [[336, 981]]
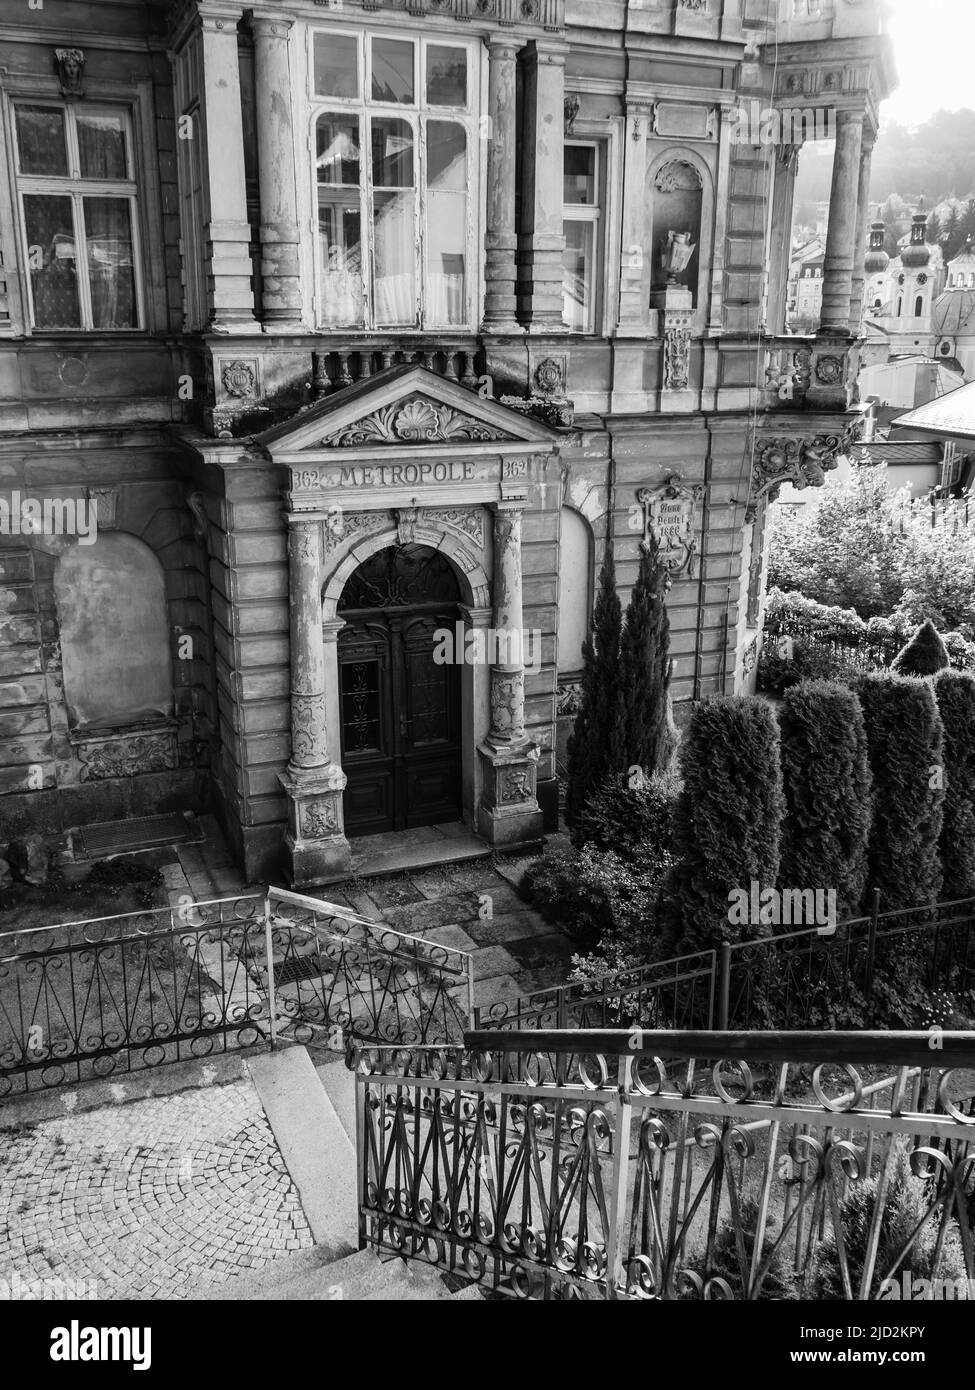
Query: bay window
[[395, 181], [76, 194]]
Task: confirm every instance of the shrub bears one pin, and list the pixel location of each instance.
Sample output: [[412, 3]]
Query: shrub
[[905, 742], [826, 780], [780, 1281], [595, 747], [810, 661], [597, 895], [924, 655], [727, 821], [906, 1201], [955, 694], [628, 812]]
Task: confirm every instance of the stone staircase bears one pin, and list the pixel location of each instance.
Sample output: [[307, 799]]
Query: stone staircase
[[311, 1109]]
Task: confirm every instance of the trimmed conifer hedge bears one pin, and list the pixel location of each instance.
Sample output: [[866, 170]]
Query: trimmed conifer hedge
[[727, 822], [826, 780], [905, 740], [955, 694]]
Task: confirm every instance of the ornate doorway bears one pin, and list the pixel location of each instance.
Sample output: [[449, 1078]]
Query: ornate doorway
[[400, 709]]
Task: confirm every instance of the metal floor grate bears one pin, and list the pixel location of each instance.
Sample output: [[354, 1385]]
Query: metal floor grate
[[130, 836], [296, 968]]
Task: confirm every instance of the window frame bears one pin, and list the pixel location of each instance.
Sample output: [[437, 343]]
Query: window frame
[[77, 188], [417, 115], [595, 215]]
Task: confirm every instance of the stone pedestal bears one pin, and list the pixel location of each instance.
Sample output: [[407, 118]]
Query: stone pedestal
[[316, 850], [675, 306], [509, 814]]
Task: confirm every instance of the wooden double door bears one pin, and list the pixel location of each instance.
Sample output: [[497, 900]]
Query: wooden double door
[[400, 706]]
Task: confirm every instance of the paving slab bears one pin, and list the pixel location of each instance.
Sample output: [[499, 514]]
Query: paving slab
[[453, 937], [506, 927], [419, 918]]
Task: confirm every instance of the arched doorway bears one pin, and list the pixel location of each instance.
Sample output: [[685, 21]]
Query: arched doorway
[[400, 706]]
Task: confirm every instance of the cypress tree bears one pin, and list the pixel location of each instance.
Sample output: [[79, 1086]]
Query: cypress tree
[[955, 694], [826, 781], [905, 739], [595, 746], [924, 655], [727, 823], [645, 667]]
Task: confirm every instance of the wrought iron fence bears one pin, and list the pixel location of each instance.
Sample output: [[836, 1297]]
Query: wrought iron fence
[[677, 993], [673, 1165], [99, 998], [334, 970], [81, 1000], [807, 980]]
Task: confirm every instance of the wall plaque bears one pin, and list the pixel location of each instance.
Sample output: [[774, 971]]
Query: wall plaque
[[669, 519]]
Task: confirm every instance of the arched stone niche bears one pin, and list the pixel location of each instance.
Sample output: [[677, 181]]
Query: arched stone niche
[[681, 198], [111, 602]]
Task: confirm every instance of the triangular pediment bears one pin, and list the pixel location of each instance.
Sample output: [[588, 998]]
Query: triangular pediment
[[405, 406]]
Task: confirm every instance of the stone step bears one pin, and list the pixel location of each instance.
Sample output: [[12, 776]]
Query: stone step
[[314, 1144]]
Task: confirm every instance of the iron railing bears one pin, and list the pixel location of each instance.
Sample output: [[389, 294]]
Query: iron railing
[[334, 970], [678, 993], [804, 979], [673, 1165], [99, 998]]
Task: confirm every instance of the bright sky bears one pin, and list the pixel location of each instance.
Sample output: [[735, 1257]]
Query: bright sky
[[934, 44]]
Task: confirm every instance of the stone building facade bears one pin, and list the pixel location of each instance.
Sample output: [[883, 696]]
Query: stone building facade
[[358, 324]]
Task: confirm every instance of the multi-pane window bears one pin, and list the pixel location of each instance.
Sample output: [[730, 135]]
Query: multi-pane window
[[581, 227], [77, 197], [395, 177]]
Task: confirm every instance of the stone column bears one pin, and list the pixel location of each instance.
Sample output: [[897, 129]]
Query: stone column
[[783, 202], [540, 240], [315, 845], [501, 240], [860, 247], [230, 295], [280, 269], [509, 813], [841, 233]]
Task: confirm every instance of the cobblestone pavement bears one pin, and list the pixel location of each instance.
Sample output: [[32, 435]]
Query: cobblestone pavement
[[151, 1199]]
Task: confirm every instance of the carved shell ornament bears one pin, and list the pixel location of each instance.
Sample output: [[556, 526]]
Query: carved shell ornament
[[415, 422]]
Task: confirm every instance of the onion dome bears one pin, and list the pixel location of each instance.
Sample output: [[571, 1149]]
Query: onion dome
[[876, 260], [918, 253]]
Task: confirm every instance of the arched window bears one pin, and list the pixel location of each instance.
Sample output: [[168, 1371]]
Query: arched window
[[900, 305], [919, 306], [575, 589], [678, 193], [111, 603]]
